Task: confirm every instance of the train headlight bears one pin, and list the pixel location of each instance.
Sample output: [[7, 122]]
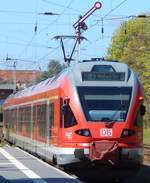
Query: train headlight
[[127, 133], [84, 132]]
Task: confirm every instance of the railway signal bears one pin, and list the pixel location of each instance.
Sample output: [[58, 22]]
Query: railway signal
[[96, 6], [81, 25]]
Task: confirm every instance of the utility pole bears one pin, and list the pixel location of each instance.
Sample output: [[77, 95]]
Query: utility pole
[[14, 72], [14, 76]]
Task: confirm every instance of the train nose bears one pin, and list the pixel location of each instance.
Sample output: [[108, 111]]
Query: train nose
[[104, 150]]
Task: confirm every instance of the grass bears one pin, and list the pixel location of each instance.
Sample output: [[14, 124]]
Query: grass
[[2, 143], [147, 136]]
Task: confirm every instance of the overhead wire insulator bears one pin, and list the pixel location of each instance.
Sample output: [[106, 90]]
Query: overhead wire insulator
[[102, 28], [35, 28]]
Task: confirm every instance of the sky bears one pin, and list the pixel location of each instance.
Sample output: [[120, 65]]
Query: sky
[[31, 50]]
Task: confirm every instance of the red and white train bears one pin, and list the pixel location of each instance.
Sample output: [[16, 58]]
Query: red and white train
[[90, 113]]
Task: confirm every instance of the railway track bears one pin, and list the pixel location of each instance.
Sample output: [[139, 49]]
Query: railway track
[[147, 154]]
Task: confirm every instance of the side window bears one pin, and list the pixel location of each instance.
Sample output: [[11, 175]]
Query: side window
[[69, 118], [138, 120], [27, 119], [34, 115], [41, 119], [12, 119], [6, 118], [51, 115], [20, 119]]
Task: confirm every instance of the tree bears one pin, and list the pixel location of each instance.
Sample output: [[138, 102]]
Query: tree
[[54, 67], [131, 44]]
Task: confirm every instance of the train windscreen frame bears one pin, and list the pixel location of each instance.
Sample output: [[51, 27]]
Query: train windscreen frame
[[105, 104]]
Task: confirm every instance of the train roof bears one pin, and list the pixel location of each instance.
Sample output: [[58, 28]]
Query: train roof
[[79, 73], [101, 73]]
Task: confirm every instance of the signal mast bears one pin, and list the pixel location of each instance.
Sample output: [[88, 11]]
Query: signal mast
[[79, 26]]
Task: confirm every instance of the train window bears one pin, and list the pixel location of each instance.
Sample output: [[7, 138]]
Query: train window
[[20, 119], [6, 118], [27, 119], [69, 118], [105, 103], [41, 120], [51, 115], [102, 68], [11, 116], [34, 115], [9, 123], [34, 120]]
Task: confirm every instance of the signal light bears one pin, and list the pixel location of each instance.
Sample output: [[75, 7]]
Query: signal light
[[141, 98], [127, 133], [97, 5], [84, 132]]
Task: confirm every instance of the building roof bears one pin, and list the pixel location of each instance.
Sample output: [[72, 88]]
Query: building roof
[[23, 76]]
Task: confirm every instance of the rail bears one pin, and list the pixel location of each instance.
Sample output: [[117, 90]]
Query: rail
[[147, 153]]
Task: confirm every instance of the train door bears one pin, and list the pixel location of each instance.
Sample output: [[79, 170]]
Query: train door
[[42, 122]]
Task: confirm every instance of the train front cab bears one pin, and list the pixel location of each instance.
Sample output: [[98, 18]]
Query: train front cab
[[106, 126]]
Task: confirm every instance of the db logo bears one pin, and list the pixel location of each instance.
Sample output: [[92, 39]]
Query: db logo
[[106, 132]]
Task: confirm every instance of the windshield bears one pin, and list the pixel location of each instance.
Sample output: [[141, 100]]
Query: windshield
[[105, 103]]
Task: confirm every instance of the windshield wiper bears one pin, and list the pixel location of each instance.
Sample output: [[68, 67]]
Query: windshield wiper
[[117, 110], [111, 118], [108, 119], [108, 122]]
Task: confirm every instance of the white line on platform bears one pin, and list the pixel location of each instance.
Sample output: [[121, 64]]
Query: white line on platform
[[52, 167], [29, 173], [5, 163]]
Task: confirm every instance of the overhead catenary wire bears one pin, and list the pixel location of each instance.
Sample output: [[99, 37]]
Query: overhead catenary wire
[[108, 13], [35, 32], [54, 22], [27, 49], [58, 16], [104, 18], [113, 9], [62, 6]]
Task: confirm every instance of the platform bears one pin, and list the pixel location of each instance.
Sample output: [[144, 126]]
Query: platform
[[18, 166]]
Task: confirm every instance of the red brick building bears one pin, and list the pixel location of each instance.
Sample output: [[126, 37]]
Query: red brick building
[[23, 78]]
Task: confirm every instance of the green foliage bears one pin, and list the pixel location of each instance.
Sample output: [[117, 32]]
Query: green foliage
[[147, 136], [131, 44], [54, 67]]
